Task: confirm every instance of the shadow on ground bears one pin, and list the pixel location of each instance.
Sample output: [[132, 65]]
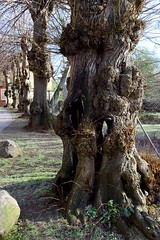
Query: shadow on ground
[[34, 198]]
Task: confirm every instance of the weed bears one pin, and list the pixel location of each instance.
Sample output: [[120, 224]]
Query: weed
[[108, 212], [23, 231]]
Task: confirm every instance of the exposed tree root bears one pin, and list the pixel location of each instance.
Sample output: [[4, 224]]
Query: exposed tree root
[[146, 224]]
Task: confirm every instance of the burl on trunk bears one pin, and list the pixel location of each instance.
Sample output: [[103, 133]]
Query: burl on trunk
[[104, 89]]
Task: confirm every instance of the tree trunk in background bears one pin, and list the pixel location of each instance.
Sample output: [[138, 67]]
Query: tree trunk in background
[[39, 61], [6, 74], [54, 103], [25, 76], [18, 83], [104, 88], [15, 82]]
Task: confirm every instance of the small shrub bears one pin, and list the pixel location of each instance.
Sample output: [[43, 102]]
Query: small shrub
[[154, 163], [151, 105], [107, 213]]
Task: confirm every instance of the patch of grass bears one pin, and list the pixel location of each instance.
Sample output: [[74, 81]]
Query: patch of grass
[[57, 229], [29, 178], [23, 231], [152, 130], [62, 230], [143, 114]]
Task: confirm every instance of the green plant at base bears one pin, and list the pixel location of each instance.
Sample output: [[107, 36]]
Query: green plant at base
[[91, 212], [107, 213]]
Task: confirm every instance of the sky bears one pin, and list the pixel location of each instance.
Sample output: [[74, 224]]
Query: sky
[[152, 30], [152, 47]]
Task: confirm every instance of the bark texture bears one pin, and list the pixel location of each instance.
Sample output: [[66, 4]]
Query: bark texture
[[104, 89], [6, 74], [39, 60], [25, 77], [17, 83]]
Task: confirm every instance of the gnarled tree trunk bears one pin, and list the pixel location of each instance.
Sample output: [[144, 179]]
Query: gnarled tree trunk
[[104, 88], [39, 60]]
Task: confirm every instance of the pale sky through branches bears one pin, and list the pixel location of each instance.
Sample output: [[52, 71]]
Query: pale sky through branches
[[151, 36]]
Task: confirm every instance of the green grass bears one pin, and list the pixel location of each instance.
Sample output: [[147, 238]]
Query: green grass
[[151, 129], [58, 229], [29, 178], [157, 114]]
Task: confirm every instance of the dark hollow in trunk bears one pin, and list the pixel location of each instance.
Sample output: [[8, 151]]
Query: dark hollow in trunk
[[104, 90]]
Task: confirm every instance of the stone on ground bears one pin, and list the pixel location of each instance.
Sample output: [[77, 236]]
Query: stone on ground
[[9, 212], [9, 148]]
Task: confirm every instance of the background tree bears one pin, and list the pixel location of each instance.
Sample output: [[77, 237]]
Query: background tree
[[39, 55], [6, 73], [39, 60], [15, 67], [55, 103], [148, 63], [103, 88], [25, 76], [14, 26]]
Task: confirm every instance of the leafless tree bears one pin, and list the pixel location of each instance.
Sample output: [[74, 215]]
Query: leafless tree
[[104, 88], [39, 53]]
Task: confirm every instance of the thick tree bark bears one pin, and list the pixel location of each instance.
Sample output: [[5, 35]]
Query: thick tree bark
[[104, 88], [39, 61]]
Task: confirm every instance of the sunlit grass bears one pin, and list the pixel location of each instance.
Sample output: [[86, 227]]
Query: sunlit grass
[[151, 129]]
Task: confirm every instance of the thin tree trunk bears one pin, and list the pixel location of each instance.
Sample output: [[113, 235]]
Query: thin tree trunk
[[25, 76], [60, 87], [104, 88], [15, 82], [18, 91], [6, 77]]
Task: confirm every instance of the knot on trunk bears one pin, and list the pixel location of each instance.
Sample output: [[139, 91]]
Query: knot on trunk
[[85, 139], [106, 78], [35, 108], [74, 39], [39, 62], [99, 29]]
